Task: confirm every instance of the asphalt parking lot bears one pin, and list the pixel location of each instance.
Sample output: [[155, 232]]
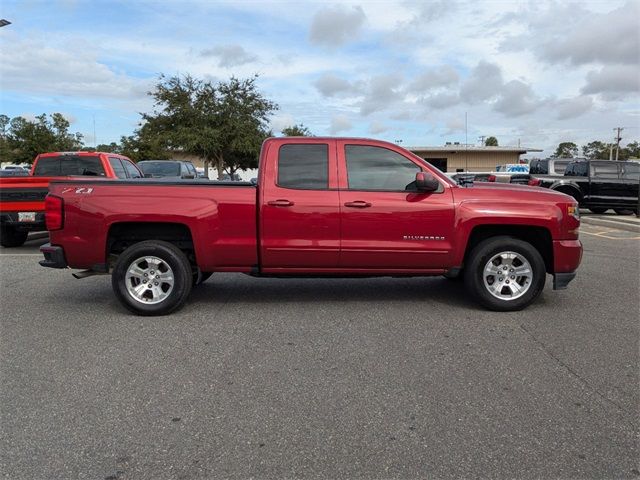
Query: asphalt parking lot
[[372, 378]]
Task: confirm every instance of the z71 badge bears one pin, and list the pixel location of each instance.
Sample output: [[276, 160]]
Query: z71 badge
[[79, 190]]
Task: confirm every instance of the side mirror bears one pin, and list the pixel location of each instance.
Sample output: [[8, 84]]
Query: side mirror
[[425, 182]]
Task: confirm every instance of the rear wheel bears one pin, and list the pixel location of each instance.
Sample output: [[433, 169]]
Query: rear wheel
[[505, 273], [10, 237], [598, 210], [623, 211], [152, 278]]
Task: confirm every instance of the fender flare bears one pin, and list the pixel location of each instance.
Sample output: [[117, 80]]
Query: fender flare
[[569, 188]]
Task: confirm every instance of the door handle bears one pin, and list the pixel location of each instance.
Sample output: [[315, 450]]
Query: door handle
[[280, 203], [358, 204]]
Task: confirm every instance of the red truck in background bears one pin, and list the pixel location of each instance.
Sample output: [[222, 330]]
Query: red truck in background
[[321, 207], [22, 198]]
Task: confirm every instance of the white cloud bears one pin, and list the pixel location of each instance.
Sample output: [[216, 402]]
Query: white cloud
[[613, 80], [330, 85], [382, 91], [517, 98], [35, 68], [229, 55], [573, 107], [484, 82], [340, 123], [335, 26], [377, 127]]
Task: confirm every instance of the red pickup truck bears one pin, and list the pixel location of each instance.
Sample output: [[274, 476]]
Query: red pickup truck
[[22, 198], [321, 207]]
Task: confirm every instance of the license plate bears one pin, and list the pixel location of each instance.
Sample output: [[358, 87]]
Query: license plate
[[26, 216]]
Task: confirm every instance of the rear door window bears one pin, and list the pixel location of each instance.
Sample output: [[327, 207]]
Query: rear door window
[[631, 171], [304, 167], [118, 169], [132, 171], [604, 170]]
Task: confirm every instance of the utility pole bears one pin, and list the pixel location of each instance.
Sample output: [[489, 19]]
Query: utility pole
[[481, 139], [618, 138]]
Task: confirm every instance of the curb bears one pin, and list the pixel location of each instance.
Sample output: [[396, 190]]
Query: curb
[[619, 225]]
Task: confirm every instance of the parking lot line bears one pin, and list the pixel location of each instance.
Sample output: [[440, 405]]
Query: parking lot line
[[602, 235]]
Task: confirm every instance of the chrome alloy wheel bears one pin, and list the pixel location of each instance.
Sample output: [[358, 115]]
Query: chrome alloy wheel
[[507, 276], [149, 280]]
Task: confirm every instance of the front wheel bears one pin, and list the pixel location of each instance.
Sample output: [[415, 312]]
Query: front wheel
[[623, 211], [598, 210], [10, 237], [505, 273], [152, 278]]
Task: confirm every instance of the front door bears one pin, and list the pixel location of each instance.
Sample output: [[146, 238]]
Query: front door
[[300, 215], [386, 223]]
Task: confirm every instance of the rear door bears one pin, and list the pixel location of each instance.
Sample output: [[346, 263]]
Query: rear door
[[299, 206], [386, 223]]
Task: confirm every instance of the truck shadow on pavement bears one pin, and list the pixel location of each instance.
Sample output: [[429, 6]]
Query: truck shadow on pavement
[[370, 290]]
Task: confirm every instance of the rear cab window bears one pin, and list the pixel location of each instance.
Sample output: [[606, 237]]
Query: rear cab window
[[69, 165]]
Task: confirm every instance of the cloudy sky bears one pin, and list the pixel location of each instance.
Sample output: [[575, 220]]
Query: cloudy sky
[[532, 72]]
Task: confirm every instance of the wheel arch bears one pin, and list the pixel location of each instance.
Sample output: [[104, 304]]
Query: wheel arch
[[569, 189], [122, 235], [539, 237]]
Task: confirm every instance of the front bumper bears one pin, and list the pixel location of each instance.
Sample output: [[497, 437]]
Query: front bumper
[[53, 256], [567, 255]]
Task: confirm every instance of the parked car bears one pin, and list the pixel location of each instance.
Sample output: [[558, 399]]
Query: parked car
[[599, 184], [14, 172], [499, 177], [22, 202], [168, 169], [15, 168], [549, 166], [322, 207]]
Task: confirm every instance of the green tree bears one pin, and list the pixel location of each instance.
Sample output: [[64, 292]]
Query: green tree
[[491, 142], [220, 123], [23, 139], [566, 150], [297, 131], [596, 150], [633, 149]]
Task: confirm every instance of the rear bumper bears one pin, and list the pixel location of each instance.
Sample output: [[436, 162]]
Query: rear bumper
[[11, 219], [567, 255], [53, 256]]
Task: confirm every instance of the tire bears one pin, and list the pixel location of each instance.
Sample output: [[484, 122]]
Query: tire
[[623, 211], [518, 256], [598, 210], [170, 267], [10, 237]]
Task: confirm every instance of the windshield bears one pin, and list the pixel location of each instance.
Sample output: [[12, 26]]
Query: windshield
[[160, 169], [69, 165]]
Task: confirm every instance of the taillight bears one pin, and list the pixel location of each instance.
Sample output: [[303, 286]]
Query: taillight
[[54, 213], [491, 178], [534, 182]]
